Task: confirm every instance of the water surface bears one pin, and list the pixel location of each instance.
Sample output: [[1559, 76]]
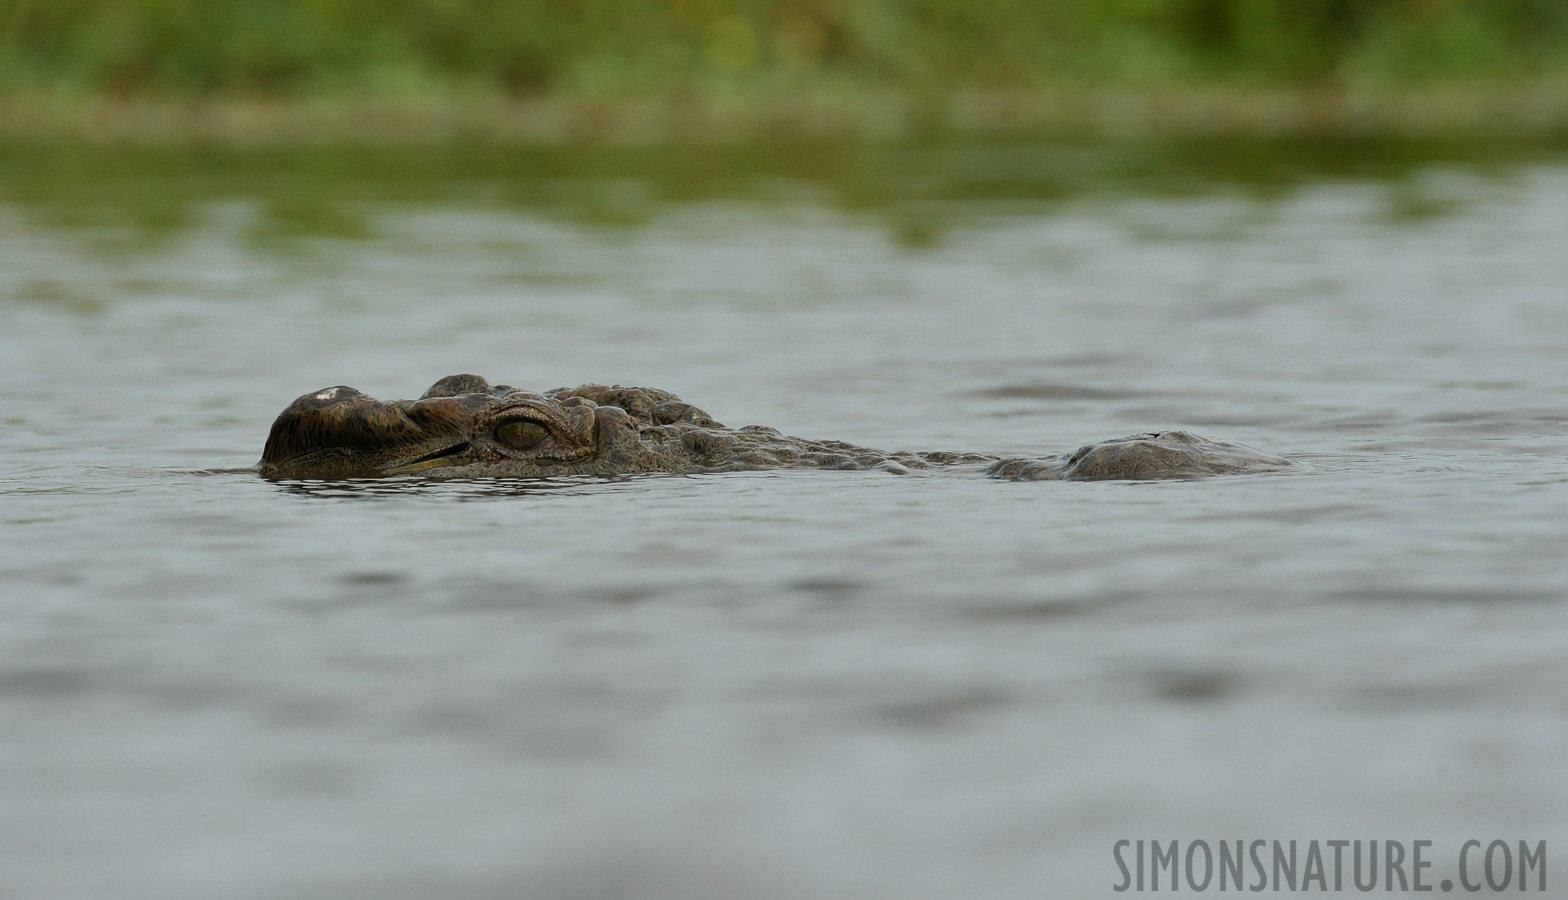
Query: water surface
[[778, 684]]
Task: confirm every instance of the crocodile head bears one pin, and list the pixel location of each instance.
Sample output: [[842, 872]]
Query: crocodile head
[[464, 427]]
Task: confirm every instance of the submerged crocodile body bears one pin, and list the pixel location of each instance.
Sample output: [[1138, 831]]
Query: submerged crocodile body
[[465, 428]]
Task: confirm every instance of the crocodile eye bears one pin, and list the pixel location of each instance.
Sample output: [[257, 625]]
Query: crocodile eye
[[521, 434]]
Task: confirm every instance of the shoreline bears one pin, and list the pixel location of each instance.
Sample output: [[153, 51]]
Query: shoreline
[[1528, 112]]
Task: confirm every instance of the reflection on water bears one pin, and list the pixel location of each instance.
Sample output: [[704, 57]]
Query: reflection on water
[[791, 683], [371, 489], [921, 191]]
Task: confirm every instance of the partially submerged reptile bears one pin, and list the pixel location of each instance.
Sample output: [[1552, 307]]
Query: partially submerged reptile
[[465, 428]]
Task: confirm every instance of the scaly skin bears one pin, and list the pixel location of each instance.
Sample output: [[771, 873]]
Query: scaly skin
[[465, 428]]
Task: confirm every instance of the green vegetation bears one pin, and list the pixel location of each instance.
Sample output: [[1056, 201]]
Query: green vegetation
[[625, 48], [703, 53]]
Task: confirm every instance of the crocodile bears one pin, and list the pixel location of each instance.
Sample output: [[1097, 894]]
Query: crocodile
[[463, 427]]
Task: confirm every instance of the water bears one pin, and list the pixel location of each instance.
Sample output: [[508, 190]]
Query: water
[[778, 684]]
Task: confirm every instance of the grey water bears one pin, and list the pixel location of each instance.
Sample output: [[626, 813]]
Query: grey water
[[791, 684]]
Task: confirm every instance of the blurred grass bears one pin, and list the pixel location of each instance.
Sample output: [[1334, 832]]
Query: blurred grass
[[660, 67]]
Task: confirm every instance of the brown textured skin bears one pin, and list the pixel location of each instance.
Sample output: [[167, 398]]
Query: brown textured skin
[[465, 428]]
